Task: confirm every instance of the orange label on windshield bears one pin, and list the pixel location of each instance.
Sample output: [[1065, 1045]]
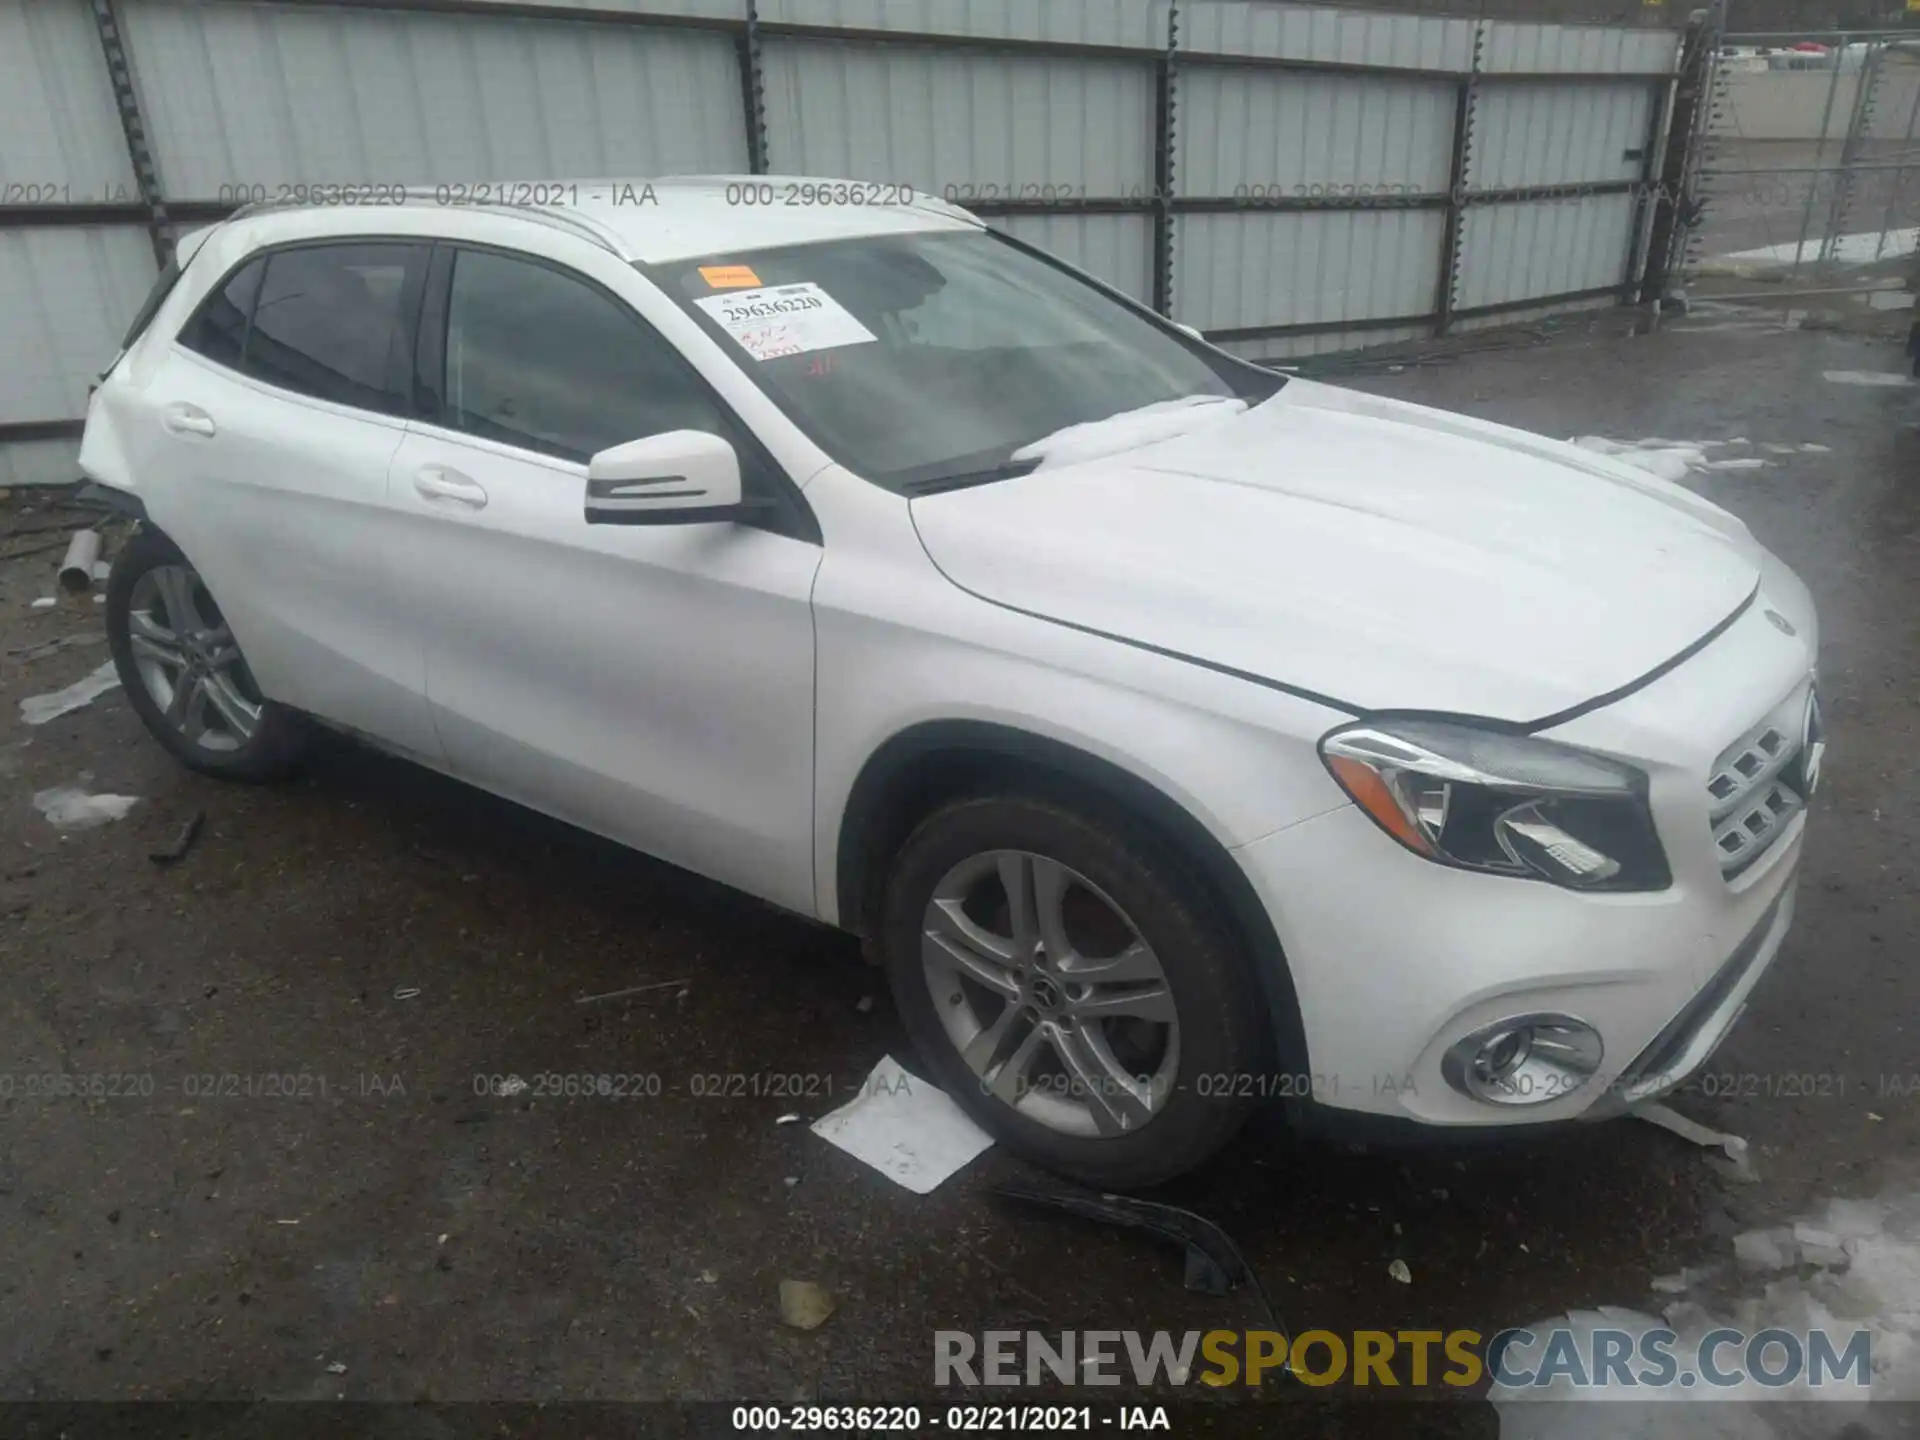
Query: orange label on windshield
[[729, 277]]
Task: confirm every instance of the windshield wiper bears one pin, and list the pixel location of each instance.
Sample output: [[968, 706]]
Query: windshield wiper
[[967, 479]]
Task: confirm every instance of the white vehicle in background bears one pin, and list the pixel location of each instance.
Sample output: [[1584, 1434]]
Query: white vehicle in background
[[1180, 735]]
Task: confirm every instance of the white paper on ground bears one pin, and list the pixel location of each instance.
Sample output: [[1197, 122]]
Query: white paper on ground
[[68, 807], [778, 320], [904, 1127], [38, 709]]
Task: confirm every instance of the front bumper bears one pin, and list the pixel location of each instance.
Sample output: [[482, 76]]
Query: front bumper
[[1386, 985], [1689, 1039], [1394, 959]]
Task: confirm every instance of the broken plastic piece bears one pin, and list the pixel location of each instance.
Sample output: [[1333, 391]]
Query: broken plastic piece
[[182, 841], [1733, 1146], [1214, 1264]]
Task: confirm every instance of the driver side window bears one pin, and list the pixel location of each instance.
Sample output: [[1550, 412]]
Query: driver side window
[[543, 361]]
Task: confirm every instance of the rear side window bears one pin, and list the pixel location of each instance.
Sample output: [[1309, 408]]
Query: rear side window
[[330, 322], [218, 329]]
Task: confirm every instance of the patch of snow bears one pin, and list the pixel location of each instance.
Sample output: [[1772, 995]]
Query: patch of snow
[[68, 807], [1863, 247], [1853, 1266], [39, 709], [1673, 459], [1865, 377], [1130, 429]]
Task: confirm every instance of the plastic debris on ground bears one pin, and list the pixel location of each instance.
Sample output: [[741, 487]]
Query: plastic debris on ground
[[183, 838], [1732, 1146], [630, 990], [904, 1127], [39, 709], [68, 807]]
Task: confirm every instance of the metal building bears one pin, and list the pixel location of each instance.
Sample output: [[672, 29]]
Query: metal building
[[1290, 179]]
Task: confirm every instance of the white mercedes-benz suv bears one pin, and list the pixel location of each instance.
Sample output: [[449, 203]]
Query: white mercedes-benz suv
[[1177, 734]]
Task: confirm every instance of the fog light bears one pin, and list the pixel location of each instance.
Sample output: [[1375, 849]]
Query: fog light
[[1525, 1060]]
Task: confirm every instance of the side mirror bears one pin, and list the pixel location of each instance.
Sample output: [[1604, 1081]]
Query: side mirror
[[682, 477]]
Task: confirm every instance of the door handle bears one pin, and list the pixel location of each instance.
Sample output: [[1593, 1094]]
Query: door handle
[[437, 482], [188, 420]]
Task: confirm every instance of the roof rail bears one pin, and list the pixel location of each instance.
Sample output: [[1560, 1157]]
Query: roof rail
[[557, 217], [563, 218]]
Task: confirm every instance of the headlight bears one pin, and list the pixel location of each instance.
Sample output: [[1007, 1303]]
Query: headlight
[[1505, 804]]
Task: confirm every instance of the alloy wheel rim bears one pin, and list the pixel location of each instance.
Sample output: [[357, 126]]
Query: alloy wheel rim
[[1050, 994], [185, 654]]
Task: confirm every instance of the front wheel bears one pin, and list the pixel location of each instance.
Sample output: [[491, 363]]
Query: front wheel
[[1063, 979], [183, 671]]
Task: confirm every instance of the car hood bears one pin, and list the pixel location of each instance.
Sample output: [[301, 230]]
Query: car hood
[[1375, 553]]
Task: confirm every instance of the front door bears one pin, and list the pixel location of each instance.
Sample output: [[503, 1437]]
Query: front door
[[654, 684]]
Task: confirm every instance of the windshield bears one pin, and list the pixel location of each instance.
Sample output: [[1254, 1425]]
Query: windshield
[[922, 361]]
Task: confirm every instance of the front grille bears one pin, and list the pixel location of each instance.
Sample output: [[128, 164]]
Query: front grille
[[1759, 784]]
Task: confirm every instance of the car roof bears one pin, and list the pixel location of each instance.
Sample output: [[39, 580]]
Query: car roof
[[653, 220]]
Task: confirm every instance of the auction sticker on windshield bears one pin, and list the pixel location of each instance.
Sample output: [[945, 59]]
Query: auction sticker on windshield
[[781, 320]]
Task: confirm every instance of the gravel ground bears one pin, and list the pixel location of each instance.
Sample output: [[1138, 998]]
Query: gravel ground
[[386, 937]]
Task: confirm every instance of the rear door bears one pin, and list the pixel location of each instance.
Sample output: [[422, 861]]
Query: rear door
[[278, 412], [652, 683]]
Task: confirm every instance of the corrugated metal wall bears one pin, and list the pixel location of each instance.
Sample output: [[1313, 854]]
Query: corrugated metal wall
[[1290, 179]]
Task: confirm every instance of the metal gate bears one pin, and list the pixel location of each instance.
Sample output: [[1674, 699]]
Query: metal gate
[[1807, 176]]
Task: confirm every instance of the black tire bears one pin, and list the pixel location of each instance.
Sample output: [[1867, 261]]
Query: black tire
[[280, 739], [1221, 1032]]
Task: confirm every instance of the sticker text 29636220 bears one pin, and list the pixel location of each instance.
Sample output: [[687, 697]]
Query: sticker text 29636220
[[777, 320]]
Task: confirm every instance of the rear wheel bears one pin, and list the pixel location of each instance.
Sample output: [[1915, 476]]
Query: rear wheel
[[1057, 970], [183, 670]]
